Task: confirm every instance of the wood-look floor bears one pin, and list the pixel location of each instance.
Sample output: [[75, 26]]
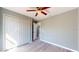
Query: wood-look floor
[[38, 46]]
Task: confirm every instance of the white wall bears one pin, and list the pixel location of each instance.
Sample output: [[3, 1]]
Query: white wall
[[61, 29]]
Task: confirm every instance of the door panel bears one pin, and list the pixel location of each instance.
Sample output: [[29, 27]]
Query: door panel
[[17, 31]]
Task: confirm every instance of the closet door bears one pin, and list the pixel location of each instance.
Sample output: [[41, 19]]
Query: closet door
[[16, 31]]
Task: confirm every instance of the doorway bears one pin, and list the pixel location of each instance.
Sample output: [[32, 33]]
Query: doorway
[[35, 29]]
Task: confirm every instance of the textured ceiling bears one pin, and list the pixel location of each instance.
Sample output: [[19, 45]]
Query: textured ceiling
[[51, 11]]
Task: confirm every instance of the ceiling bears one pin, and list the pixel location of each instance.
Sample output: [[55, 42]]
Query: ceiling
[[51, 11]]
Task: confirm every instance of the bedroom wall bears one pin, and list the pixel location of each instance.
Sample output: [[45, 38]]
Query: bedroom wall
[[61, 29], [78, 29], [1, 29]]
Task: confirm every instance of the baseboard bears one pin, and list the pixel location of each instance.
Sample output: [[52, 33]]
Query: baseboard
[[60, 46]]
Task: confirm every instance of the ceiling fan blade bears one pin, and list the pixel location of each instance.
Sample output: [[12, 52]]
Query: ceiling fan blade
[[36, 14], [45, 8], [30, 10], [44, 13]]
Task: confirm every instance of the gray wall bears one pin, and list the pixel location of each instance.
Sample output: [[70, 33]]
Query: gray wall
[[17, 26], [1, 29], [61, 29], [78, 29]]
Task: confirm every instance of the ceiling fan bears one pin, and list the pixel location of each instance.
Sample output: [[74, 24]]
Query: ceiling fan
[[39, 10]]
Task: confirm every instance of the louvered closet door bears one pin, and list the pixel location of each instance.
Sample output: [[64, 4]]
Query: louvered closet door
[[17, 31]]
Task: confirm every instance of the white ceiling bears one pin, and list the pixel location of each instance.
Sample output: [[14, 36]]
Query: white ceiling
[[51, 11]]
